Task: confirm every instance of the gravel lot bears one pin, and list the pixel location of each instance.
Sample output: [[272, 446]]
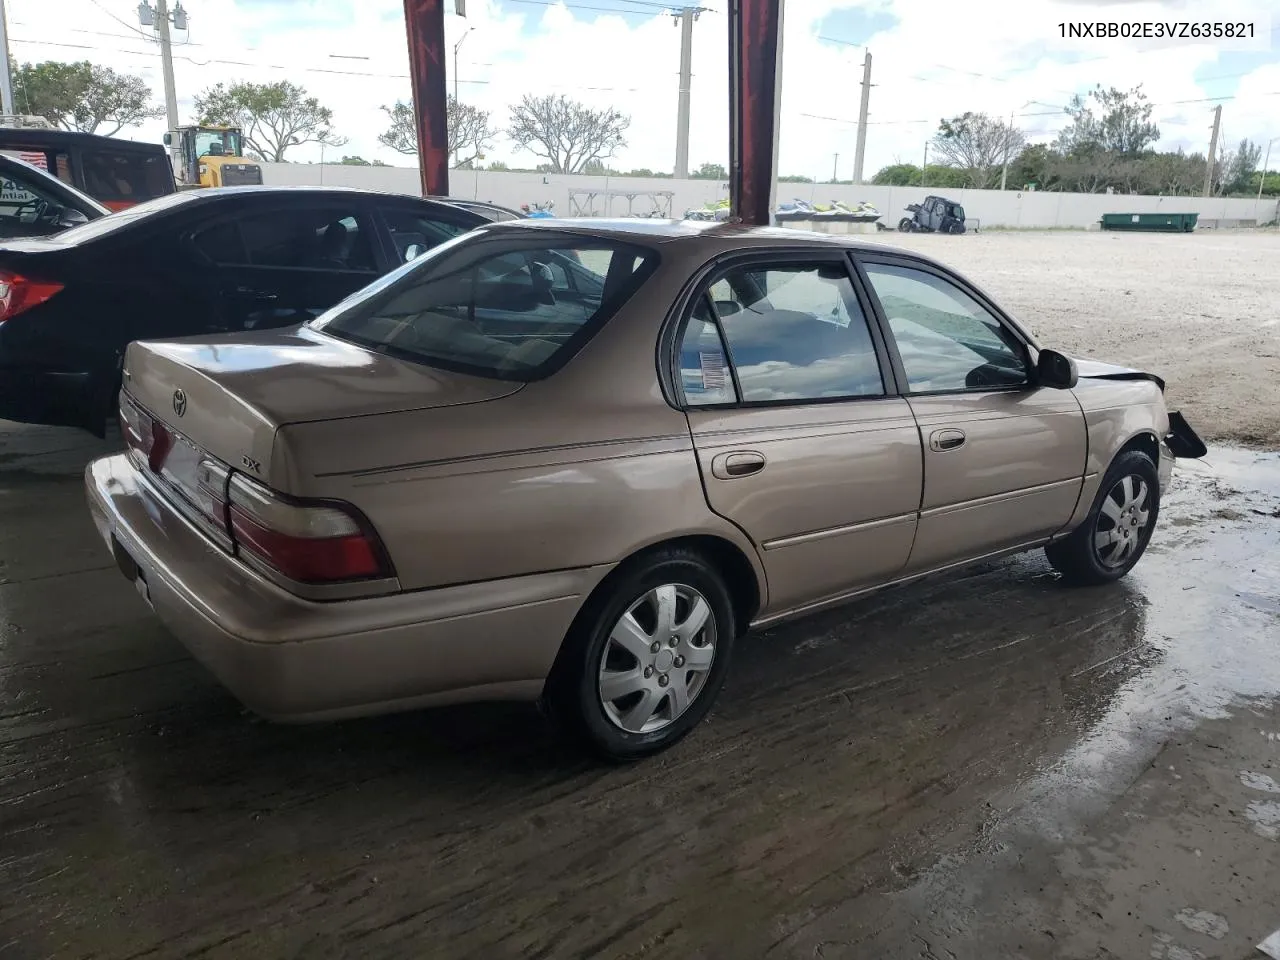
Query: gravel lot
[[1201, 310]]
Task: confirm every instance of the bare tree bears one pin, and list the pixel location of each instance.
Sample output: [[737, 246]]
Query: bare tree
[[567, 133], [978, 144], [470, 133]]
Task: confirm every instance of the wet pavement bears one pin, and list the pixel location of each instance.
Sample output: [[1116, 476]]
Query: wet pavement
[[986, 765]]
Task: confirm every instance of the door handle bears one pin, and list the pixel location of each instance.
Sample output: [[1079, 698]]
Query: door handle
[[731, 466], [946, 439], [256, 294]]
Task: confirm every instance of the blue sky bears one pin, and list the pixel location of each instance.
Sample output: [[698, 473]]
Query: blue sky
[[931, 58]]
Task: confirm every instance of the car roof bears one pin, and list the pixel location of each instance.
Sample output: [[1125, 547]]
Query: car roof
[[644, 230], [43, 137]]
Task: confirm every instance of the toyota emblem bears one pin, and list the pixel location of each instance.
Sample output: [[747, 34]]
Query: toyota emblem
[[179, 402]]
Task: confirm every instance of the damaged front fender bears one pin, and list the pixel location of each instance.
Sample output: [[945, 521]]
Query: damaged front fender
[[1181, 439]]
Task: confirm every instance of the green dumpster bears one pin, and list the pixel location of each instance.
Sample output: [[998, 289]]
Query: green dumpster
[[1164, 222]]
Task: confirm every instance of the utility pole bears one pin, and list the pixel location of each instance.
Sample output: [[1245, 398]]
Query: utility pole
[[685, 18], [456, 46], [1213, 149], [159, 18], [1261, 180], [6, 81], [924, 166], [860, 152], [835, 169]]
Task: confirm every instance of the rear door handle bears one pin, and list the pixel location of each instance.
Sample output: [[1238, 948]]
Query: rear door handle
[[740, 463], [256, 294], [946, 439]]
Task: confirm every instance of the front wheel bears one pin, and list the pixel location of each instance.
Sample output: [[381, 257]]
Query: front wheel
[[646, 658], [906, 225], [1116, 532]]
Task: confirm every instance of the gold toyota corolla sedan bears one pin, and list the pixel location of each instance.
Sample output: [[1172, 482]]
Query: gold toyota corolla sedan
[[574, 461]]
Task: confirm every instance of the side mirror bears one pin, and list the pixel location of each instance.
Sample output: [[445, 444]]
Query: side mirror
[[414, 251], [168, 140], [727, 308], [1056, 370], [68, 217]]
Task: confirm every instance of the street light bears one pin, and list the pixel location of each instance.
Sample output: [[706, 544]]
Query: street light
[[464, 36], [1004, 173], [1263, 179]]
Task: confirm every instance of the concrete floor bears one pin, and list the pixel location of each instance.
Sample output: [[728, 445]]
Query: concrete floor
[[989, 765]]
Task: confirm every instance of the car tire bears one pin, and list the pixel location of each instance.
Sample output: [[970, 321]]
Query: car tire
[[1115, 534], [624, 643], [906, 225]]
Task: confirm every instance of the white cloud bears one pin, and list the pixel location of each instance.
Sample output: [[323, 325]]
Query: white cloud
[[924, 68]]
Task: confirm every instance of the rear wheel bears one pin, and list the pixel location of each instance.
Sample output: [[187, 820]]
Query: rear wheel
[[646, 658], [1118, 528]]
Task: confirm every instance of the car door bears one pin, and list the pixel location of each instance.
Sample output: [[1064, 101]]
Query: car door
[[799, 439], [33, 204], [1004, 459], [285, 264]]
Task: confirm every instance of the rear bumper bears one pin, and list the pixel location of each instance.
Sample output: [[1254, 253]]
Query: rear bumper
[[293, 659]]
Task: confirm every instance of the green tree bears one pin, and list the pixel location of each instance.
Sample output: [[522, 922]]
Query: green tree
[[275, 117], [360, 162], [897, 175], [710, 171], [567, 133], [470, 131], [82, 96], [1111, 120]]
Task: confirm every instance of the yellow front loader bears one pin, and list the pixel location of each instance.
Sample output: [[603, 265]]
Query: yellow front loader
[[211, 157]]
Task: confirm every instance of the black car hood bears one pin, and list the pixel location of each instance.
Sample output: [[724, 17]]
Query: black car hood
[[1097, 370]]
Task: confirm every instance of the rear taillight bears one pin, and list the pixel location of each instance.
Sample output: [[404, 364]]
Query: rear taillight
[[306, 542], [19, 293]]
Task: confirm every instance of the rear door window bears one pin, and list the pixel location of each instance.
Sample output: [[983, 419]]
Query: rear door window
[[327, 238], [413, 232], [794, 332], [495, 306], [27, 207]]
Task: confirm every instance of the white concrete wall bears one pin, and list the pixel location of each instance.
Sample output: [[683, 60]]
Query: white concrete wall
[[993, 208]]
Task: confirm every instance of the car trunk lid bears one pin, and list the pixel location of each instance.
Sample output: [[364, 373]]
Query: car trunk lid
[[228, 395]]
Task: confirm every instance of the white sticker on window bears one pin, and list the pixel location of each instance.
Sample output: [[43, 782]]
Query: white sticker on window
[[712, 365]]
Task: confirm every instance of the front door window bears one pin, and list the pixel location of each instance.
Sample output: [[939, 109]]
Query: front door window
[[947, 340]]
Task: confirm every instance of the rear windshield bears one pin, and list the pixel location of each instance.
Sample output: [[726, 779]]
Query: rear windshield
[[495, 305], [110, 224], [126, 177]]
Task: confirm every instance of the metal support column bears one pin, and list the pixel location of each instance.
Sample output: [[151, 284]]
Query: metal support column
[[425, 22], [754, 39]]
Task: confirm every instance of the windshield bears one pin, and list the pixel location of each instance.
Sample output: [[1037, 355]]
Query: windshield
[[112, 223], [217, 143], [511, 308]]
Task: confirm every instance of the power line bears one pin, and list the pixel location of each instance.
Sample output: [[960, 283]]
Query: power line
[[323, 70]]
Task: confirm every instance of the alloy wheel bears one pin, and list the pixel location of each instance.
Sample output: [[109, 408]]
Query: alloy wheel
[[657, 658], [1122, 521]]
